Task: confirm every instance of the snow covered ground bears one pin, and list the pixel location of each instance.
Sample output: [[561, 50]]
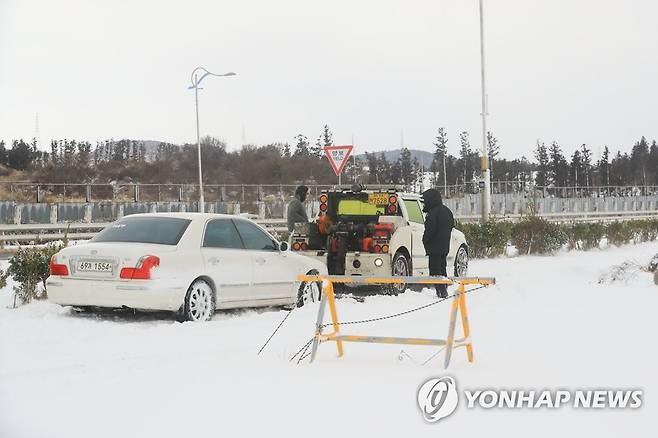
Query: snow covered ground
[[546, 324]]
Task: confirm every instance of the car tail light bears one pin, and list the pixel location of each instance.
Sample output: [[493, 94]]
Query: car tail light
[[323, 198], [296, 246], [377, 249], [323, 203], [323, 207], [392, 199], [384, 248], [392, 208], [143, 269], [304, 246], [57, 268]]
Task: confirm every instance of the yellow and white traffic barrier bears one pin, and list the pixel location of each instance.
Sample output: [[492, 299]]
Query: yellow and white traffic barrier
[[458, 303]]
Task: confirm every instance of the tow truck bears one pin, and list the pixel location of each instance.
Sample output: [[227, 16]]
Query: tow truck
[[373, 231]]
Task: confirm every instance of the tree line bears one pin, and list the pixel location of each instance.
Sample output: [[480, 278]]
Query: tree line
[[126, 160]]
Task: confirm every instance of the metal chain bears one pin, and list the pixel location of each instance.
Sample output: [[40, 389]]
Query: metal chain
[[380, 318], [302, 350], [304, 357], [304, 354], [274, 332]]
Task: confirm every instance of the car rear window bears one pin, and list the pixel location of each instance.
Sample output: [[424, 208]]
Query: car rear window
[[158, 230]]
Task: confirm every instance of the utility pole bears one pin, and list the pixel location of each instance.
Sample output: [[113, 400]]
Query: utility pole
[[484, 161]]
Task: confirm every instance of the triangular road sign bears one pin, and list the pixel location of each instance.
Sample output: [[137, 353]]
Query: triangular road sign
[[338, 157]]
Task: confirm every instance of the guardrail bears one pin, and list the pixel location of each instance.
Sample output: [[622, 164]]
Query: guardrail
[[86, 230], [29, 191]]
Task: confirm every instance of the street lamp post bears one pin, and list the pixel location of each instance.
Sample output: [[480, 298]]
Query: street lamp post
[[484, 162], [197, 76]]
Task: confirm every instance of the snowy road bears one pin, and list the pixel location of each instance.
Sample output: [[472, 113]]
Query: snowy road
[[546, 324]]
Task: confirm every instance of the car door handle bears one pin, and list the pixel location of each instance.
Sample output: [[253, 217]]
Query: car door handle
[[260, 261], [213, 260]]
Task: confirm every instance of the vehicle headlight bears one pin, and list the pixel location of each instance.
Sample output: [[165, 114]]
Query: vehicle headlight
[[379, 262]]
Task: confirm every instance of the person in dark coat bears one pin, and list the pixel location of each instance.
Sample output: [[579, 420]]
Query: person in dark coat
[[436, 238], [296, 211]]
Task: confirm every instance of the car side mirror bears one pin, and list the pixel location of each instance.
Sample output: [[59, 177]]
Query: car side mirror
[[283, 246]]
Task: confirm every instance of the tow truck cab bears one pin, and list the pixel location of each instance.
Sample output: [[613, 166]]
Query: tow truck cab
[[365, 232]]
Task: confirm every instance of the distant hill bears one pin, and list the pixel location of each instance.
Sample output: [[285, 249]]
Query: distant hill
[[423, 157]]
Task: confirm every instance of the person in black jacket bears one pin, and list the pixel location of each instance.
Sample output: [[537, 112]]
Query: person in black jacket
[[436, 238]]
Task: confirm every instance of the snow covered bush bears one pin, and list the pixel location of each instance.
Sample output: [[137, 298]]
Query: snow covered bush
[[29, 268], [641, 230], [486, 240], [646, 230], [618, 233], [624, 272], [585, 235], [536, 235]]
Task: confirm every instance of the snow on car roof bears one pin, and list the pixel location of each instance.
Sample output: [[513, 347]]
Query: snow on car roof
[[187, 215]]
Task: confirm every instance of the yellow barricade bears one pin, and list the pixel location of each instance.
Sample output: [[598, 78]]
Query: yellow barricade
[[458, 303]]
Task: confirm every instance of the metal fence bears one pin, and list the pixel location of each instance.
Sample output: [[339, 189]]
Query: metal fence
[[532, 190], [21, 191], [246, 194]]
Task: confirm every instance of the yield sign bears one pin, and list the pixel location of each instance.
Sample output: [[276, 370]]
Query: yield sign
[[338, 156]]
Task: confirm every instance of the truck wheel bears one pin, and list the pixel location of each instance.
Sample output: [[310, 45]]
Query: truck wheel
[[401, 267], [461, 262]]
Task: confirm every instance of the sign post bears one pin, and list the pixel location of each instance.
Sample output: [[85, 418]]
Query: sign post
[[338, 157]]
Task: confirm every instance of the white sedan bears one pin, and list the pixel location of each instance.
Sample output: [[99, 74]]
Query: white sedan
[[188, 263]]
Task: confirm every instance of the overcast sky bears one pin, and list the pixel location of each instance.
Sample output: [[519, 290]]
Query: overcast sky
[[576, 71]]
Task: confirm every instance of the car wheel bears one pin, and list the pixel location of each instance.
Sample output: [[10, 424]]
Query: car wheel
[[461, 262], [199, 302], [401, 267], [309, 292]]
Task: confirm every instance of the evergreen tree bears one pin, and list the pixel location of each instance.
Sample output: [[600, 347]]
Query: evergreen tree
[[559, 168], [286, 150], [576, 169], [142, 151], [385, 170], [301, 147], [373, 168], [325, 139], [493, 148], [439, 159], [621, 169], [465, 155], [652, 162], [406, 167], [586, 158], [541, 154], [639, 155], [3, 153], [19, 156], [604, 167], [54, 156], [84, 154]]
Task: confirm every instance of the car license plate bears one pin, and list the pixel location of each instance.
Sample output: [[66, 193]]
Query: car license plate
[[378, 198], [90, 266]]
